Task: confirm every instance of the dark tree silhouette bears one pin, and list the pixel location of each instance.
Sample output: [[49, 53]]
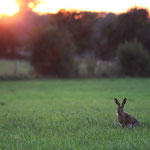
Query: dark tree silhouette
[[80, 25], [125, 27], [52, 52], [8, 42]]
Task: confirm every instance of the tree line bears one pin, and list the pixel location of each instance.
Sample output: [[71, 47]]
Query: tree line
[[52, 42]]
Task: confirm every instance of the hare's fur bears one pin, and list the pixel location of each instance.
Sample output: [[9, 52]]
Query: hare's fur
[[124, 118]]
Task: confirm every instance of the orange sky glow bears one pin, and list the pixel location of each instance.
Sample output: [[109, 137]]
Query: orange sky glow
[[10, 7]]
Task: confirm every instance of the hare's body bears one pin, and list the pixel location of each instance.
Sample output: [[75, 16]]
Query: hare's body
[[124, 118], [127, 120]]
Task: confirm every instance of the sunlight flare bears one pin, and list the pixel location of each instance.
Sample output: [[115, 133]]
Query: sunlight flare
[[116, 6], [8, 7], [30, 4]]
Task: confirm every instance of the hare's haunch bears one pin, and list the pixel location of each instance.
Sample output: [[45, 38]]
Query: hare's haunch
[[124, 118]]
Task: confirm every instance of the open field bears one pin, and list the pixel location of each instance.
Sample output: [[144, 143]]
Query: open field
[[73, 114]]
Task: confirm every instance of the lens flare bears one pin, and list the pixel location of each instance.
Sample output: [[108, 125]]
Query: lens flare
[[8, 7], [30, 4]]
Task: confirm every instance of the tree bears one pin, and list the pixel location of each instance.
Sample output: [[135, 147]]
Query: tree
[[52, 52], [125, 27], [80, 25], [8, 42]]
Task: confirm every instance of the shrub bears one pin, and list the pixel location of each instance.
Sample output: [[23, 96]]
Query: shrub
[[134, 59], [86, 67], [107, 69], [98, 68]]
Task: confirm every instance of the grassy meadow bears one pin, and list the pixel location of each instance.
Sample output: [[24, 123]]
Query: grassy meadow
[[77, 114]]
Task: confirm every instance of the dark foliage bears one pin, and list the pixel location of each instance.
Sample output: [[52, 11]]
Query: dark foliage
[[52, 52], [8, 42], [134, 59], [80, 25], [124, 27]]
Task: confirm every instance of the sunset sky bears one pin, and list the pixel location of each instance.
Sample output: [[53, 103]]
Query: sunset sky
[[9, 7], [91, 5]]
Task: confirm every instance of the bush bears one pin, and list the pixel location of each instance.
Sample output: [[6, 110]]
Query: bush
[[53, 52], [98, 68], [134, 59], [86, 67], [107, 69]]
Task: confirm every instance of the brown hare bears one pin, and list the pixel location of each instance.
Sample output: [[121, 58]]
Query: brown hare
[[125, 119]]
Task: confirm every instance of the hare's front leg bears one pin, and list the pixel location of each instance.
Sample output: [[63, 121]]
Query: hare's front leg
[[130, 126]]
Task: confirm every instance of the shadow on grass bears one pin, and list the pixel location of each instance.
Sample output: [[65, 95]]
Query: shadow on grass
[[2, 103]]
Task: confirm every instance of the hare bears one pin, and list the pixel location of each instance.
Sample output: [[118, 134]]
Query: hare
[[125, 119]]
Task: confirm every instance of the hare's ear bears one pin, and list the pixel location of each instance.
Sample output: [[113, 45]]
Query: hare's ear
[[124, 101], [116, 101]]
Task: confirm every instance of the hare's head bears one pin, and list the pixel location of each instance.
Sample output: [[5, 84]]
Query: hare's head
[[120, 107]]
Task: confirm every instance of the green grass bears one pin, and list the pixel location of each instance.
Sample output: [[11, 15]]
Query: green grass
[[73, 114]]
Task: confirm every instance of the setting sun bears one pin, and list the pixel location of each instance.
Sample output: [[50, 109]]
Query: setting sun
[[8, 7]]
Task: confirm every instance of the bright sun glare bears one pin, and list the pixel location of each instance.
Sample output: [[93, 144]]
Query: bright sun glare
[[31, 5], [8, 7], [116, 6]]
